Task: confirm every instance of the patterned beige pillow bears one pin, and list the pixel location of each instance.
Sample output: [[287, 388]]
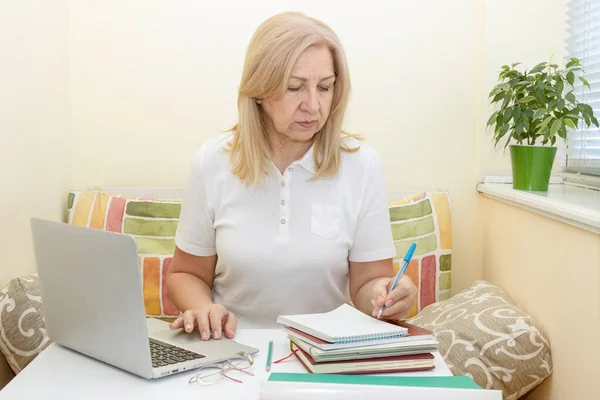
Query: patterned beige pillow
[[482, 334], [23, 332]]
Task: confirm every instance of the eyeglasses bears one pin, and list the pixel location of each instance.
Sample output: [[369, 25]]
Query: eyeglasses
[[214, 373]]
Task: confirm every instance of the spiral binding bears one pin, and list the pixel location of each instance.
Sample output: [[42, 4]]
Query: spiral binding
[[368, 338]]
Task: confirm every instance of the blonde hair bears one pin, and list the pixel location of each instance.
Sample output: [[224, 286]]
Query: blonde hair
[[270, 58]]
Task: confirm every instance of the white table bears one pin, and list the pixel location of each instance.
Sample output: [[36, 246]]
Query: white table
[[60, 373]]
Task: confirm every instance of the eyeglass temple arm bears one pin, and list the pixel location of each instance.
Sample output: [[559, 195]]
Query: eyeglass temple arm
[[230, 378]]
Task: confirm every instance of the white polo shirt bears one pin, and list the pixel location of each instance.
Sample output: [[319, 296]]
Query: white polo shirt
[[283, 248]]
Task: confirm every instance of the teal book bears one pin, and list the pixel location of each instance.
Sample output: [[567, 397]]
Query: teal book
[[450, 382]]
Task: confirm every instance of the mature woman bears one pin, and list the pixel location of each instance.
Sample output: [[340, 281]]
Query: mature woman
[[285, 214]]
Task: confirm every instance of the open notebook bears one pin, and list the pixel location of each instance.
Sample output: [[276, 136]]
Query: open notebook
[[345, 324]]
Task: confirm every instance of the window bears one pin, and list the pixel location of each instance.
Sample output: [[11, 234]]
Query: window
[[583, 42]]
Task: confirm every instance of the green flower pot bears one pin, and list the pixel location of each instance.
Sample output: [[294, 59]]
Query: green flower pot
[[531, 166]]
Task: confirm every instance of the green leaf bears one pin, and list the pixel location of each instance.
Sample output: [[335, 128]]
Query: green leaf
[[560, 86], [508, 137], [555, 126], [507, 100], [553, 140], [515, 64], [519, 128], [499, 121], [521, 85], [574, 61], [507, 114], [560, 105], [501, 132], [571, 97], [571, 77], [570, 123], [538, 68], [546, 122], [526, 99], [562, 131], [538, 113], [498, 97], [516, 113], [492, 119], [588, 109], [595, 122], [525, 122], [584, 81], [494, 91]]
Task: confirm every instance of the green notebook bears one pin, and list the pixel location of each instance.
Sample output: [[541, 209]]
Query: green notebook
[[450, 382]]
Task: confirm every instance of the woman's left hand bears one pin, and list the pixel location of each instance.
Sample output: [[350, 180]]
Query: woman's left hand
[[398, 302]]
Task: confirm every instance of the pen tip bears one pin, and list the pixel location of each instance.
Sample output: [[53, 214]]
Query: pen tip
[[379, 314]]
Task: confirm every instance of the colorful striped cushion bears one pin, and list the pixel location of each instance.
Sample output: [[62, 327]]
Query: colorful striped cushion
[[424, 218], [151, 222]]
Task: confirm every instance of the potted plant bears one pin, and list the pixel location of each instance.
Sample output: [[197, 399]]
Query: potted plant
[[533, 108]]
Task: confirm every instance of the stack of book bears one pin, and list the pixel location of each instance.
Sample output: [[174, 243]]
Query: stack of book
[[346, 341]]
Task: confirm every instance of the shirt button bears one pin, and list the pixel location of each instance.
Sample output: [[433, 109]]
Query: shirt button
[[282, 184], [283, 202], [291, 169], [282, 221]]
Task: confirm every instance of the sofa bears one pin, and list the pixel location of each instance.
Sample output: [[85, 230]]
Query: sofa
[[481, 332]]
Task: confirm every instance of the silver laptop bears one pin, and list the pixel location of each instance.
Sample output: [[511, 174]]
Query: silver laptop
[[91, 287]]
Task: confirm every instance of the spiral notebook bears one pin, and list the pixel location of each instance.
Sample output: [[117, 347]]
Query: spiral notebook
[[345, 324]]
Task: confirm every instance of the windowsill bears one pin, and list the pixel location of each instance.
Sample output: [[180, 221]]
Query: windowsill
[[564, 202]]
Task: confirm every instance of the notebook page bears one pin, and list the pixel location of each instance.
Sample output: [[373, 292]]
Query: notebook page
[[345, 323]]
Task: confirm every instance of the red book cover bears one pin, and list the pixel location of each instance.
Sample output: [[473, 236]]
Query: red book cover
[[413, 330]]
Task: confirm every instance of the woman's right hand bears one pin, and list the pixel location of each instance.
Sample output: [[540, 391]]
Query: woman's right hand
[[213, 318]]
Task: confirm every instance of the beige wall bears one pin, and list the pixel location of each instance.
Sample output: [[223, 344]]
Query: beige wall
[[34, 137], [529, 32], [549, 268], [552, 270], [150, 83]]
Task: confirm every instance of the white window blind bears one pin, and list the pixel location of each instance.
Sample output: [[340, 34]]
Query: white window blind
[[583, 42]]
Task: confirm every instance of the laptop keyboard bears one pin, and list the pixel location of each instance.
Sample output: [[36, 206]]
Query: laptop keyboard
[[163, 354]]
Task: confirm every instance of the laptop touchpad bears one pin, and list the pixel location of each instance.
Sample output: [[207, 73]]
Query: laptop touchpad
[[192, 342]]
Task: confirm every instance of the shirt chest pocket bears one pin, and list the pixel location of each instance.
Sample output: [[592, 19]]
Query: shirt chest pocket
[[325, 220]]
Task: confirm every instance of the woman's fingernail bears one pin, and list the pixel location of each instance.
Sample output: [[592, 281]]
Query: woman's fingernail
[[204, 336], [188, 327], [389, 303], [372, 302], [230, 332], [215, 334]]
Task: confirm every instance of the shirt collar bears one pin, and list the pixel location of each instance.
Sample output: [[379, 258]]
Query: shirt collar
[[307, 161]]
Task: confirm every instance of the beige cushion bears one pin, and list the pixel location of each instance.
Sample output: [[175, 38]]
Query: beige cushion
[[22, 329], [484, 335]]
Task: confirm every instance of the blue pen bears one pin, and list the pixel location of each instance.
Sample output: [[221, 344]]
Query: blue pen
[[401, 271]]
